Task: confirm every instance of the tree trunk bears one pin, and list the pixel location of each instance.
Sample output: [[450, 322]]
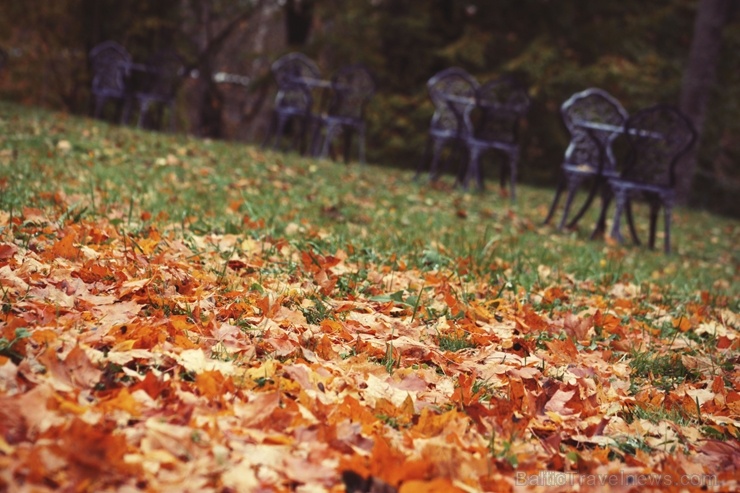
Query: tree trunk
[[298, 19], [699, 79]]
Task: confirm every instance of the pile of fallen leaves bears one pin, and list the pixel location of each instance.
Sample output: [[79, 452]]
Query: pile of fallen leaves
[[157, 362]]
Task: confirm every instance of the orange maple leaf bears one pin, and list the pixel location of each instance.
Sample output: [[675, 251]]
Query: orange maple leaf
[[65, 247]]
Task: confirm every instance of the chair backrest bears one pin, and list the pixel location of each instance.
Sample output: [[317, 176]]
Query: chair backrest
[[444, 88], [110, 66], [293, 98], [352, 88], [595, 106], [164, 74], [659, 136], [502, 103], [293, 66]]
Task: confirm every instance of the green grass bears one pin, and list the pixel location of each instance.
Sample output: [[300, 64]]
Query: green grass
[[667, 368], [656, 414], [454, 343], [376, 214]]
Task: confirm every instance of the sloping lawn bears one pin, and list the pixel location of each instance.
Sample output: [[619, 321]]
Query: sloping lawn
[[190, 315]]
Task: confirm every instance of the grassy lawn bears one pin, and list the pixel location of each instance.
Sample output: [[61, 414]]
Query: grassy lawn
[[467, 342], [211, 187]]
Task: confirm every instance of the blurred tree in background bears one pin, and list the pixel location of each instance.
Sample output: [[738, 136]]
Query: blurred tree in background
[[639, 51], [699, 82]]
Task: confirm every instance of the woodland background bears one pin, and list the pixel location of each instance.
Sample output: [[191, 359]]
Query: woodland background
[[683, 52]]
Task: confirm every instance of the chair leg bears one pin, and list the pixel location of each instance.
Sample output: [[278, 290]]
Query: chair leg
[[316, 138], [437, 145], [324, 141], [361, 143], [606, 198], [667, 210], [311, 133], [556, 199], [621, 204], [328, 138], [473, 166], [631, 223], [573, 182], [566, 209], [591, 195], [513, 172], [302, 137], [653, 223]]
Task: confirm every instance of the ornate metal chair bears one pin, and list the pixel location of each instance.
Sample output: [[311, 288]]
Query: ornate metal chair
[[659, 136], [502, 104], [352, 87], [160, 78], [293, 101], [453, 94], [594, 118], [110, 63]]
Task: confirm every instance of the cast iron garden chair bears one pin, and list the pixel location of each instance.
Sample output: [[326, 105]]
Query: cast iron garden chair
[[293, 101], [658, 136], [583, 157], [452, 92], [502, 103], [157, 86], [352, 87], [110, 63]]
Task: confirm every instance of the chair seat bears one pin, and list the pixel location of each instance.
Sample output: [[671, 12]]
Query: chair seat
[[156, 98], [340, 120], [291, 110], [628, 185], [491, 144], [111, 93], [445, 133]]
